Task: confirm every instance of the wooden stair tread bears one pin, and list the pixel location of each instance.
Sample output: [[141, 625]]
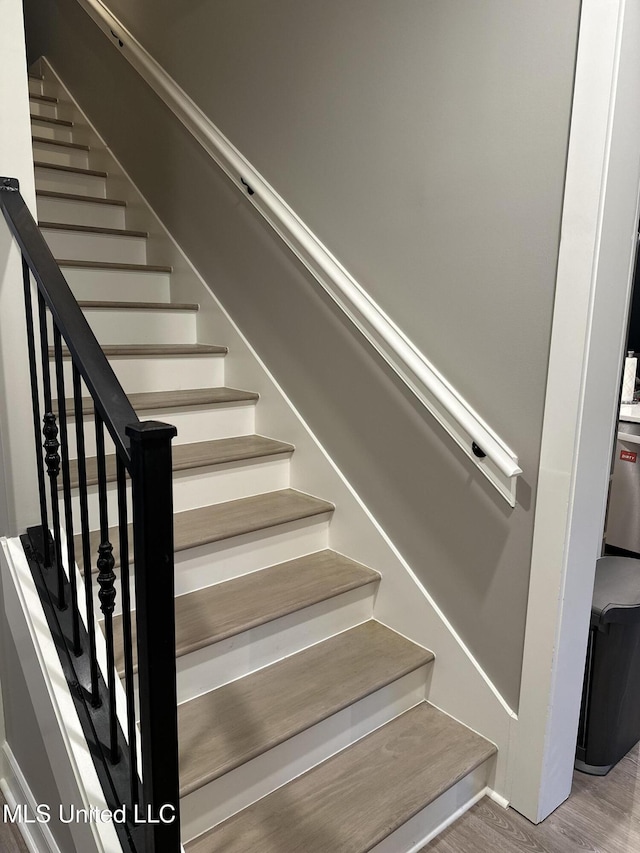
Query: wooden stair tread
[[199, 454], [357, 798], [116, 267], [166, 350], [44, 140], [245, 515], [92, 229], [217, 522], [139, 306], [147, 401], [60, 122], [76, 170], [226, 609], [90, 199], [224, 728], [45, 99]]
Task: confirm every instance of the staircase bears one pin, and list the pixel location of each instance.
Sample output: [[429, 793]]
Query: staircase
[[303, 724]]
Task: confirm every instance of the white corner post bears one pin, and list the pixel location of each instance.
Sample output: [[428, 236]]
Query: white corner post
[[597, 247], [18, 482]]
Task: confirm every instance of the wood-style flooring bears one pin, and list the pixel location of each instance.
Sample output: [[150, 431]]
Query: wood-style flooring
[[602, 815]]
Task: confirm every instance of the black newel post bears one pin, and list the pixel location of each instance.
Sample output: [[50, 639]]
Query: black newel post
[[154, 573]]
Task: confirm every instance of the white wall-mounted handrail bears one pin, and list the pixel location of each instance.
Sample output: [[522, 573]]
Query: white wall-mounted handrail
[[481, 444]]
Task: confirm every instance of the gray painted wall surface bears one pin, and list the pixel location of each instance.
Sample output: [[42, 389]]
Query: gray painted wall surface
[[25, 739], [425, 144]]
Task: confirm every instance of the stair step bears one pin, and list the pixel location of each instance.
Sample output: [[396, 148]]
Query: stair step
[[357, 798], [58, 122], [75, 170], [35, 76], [105, 265], [247, 515], [90, 199], [93, 229], [215, 738], [199, 454], [164, 397], [89, 209], [43, 99], [76, 146], [138, 306], [72, 178], [227, 609], [226, 520], [96, 243]]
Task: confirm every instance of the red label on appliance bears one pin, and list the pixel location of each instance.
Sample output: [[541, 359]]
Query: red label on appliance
[[628, 456]]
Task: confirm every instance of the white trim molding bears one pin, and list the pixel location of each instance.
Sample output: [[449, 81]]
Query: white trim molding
[[465, 426], [37, 836], [67, 751], [595, 268]]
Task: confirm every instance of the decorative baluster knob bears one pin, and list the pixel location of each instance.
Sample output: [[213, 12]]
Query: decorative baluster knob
[[51, 445], [106, 578]]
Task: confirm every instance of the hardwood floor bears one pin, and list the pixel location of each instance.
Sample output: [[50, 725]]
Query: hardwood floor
[[10, 838], [602, 815]]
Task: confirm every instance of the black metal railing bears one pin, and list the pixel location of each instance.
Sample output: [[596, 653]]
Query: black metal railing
[[99, 664]]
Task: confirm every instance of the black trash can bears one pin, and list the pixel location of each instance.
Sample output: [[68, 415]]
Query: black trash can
[[610, 711]]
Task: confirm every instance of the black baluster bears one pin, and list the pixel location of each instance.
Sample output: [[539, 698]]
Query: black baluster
[[86, 544], [52, 459], [35, 404], [66, 490], [126, 628], [106, 580], [51, 446]]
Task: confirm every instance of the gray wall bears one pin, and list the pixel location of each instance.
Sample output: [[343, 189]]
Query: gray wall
[[25, 739], [425, 144]]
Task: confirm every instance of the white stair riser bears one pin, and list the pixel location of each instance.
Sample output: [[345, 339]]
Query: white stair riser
[[413, 835], [231, 558], [194, 424], [35, 87], [126, 326], [70, 182], [118, 285], [220, 421], [223, 662], [51, 131], [76, 245], [80, 212], [203, 486], [228, 561], [46, 109], [238, 656], [136, 373], [60, 155], [239, 788]]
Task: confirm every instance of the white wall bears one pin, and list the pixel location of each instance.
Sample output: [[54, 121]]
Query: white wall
[[597, 251], [18, 484]]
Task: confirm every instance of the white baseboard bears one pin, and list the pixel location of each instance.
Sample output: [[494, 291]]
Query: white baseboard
[[37, 837], [498, 798], [450, 820]]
